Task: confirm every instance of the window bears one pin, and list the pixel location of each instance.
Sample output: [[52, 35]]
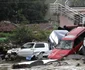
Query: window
[[76, 42], [28, 45], [39, 46], [65, 44]]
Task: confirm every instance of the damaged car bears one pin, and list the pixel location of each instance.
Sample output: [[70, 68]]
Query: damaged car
[[70, 44], [30, 50]]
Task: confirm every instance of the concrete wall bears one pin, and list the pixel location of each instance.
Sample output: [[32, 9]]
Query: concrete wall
[[65, 21]]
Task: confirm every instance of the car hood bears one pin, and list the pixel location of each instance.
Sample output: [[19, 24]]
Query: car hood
[[58, 53], [13, 50]]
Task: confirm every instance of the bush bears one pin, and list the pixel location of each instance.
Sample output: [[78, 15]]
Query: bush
[[2, 34], [24, 34], [41, 35], [21, 35]]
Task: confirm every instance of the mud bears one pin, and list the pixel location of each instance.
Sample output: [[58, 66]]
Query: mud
[[70, 63]]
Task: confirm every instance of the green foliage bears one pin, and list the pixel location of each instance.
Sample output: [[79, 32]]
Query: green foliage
[[35, 27], [2, 34], [22, 35], [22, 10], [4, 38], [40, 36], [25, 34]]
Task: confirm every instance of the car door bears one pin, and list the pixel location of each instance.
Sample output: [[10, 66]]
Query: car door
[[39, 47], [28, 50]]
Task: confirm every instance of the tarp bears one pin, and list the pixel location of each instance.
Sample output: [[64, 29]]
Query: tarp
[[56, 36]]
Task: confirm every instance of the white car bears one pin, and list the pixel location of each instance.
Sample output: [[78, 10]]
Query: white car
[[34, 49], [31, 49]]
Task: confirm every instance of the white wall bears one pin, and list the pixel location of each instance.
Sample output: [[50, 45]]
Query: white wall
[[65, 21]]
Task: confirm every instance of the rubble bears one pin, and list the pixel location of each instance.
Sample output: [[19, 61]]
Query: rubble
[[66, 64]]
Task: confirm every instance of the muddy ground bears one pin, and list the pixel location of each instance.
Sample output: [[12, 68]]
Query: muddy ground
[[72, 62]]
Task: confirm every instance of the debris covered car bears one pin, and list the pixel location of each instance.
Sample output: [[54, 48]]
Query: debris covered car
[[71, 43], [34, 49], [31, 50]]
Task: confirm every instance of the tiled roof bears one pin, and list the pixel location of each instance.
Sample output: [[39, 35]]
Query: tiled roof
[[6, 26], [42, 26]]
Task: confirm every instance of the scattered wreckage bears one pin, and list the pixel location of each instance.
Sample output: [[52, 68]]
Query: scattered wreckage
[[29, 64], [61, 44], [37, 49]]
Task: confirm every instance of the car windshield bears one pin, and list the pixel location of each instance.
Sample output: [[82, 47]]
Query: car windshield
[[28, 45], [65, 45]]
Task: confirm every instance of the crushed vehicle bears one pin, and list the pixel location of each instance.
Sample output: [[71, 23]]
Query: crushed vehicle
[[30, 50], [71, 43], [34, 49], [12, 53]]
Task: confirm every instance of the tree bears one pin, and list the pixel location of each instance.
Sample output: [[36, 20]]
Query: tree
[[22, 10]]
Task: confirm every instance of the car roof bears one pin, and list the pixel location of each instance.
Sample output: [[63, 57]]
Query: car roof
[[74, 33], [69, 37], [77, 31], [35, 42]]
